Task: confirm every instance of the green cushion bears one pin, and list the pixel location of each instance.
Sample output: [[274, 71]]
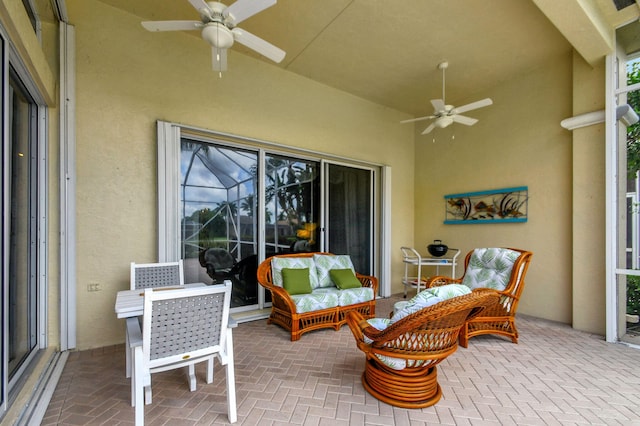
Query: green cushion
[[344, 278], [296, 280]]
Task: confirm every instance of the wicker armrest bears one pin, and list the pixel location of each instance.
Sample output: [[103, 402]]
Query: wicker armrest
[[368, 281], [442, 280]]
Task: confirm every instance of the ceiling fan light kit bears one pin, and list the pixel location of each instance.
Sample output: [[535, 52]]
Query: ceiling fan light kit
[[218, 35], [218, 25], [444, 114]]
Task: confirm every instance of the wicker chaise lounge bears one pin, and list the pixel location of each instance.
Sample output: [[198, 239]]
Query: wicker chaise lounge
[[402, 352], [327, 306]]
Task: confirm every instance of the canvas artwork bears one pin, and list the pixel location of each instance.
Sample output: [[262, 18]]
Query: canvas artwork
[[492, 206]]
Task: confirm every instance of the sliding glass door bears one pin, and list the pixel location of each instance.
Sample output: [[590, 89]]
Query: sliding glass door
[[349, 207], [224, 231], [217, 217]]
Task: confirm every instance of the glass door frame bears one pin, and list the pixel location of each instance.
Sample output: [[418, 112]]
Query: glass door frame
[[616, 193]]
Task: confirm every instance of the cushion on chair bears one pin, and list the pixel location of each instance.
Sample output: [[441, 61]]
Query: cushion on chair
[[490, 268], [325, 262], [278, 263], [296, 280], [352, 296], [426, 298], [422, 300], [320, 298], [344, 278]]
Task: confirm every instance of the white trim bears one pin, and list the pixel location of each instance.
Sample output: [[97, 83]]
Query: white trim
[[6, 202], [385, 237], [168, 195], [42, 226], [611, 224], [67, 188]]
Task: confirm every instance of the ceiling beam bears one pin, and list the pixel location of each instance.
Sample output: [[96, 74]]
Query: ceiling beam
[[582, 24]]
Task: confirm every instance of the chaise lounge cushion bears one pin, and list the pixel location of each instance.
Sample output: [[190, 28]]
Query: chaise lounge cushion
[[490, 268]]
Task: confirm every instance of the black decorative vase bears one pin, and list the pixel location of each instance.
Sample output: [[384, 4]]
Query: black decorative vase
[[437, 249]]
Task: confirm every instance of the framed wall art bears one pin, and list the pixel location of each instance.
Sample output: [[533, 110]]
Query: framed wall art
[[506, 205]]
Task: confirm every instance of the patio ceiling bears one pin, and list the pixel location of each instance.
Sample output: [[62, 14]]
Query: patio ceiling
[[388, 52]]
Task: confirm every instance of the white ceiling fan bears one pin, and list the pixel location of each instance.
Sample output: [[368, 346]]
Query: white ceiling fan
[[444, 114], [218, 24]]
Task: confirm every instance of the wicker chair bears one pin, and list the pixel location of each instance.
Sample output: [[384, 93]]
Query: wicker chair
[[501, 269], [420, 341], [181, 328]]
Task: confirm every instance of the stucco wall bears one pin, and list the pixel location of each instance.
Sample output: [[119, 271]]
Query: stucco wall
[[588, 161], [517, 142], [127, 78]]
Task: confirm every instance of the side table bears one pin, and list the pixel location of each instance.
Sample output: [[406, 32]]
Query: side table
[[414, 261]]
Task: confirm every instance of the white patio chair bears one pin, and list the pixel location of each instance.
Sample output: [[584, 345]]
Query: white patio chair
[[151, 275], [182, 328]]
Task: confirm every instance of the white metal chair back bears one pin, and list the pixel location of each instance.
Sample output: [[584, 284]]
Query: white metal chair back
[[151, 275], [182, 327], [184, 324]]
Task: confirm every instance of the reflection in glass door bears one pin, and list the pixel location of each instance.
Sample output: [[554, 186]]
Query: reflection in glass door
[[292, 205], [349, 210], [217, 217]]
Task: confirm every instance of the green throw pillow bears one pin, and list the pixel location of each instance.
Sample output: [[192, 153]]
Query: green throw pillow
[[296, 280], [344, 278]]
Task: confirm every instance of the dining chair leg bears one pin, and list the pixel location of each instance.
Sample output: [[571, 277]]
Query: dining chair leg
[[139, 388], [147, 395], [231, 380], [210, 370], [127, 355], [192, 377]]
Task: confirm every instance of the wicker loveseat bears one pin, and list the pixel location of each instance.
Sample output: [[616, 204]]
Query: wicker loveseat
[[326, 305]]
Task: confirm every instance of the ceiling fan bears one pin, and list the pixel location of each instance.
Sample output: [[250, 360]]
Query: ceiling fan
[[218, 25], [446, 115]]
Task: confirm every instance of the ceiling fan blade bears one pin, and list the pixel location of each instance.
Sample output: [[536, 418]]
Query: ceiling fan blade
[[243, 9], [467, 121], [438, 105], [201, 6], [411, 120], [259, 45], [429, 129], [171, 25], [473, 105], [219, 59]]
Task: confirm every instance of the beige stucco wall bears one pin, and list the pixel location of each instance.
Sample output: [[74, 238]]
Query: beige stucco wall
[[127, 78], [588, 161], [517, 142]]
